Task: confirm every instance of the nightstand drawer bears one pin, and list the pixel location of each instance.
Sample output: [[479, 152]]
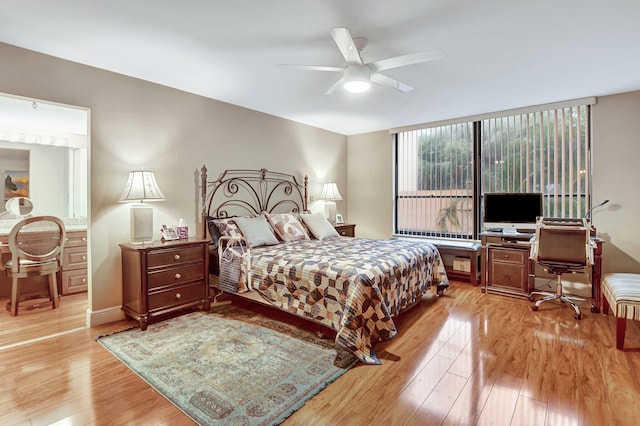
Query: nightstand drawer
[[176, 296], [174, 256], [346, 230], [175, 275]]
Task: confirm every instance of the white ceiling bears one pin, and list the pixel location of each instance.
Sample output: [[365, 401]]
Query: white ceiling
[[500, 54]]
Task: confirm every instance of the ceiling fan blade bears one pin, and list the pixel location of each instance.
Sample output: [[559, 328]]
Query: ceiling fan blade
[[401, 61], [334, 86], [383, 80], [311, 67], [347, 47]]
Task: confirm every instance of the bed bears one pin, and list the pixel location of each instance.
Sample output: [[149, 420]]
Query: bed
[[355, 286]]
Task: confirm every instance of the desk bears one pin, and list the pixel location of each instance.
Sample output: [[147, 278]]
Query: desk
[[508, 270]]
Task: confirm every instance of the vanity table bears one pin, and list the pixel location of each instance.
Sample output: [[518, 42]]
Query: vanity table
[[73, 277]]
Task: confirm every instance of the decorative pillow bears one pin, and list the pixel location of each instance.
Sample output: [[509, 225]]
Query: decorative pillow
[[319, 226], [214, 231], [287, 226], [228, 227], [256, 231]]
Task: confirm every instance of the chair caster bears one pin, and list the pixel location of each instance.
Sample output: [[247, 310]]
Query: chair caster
[[579, 316], [534, 308], [531, 298]]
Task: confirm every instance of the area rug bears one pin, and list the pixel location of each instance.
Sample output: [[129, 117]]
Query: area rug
[[231, 368]]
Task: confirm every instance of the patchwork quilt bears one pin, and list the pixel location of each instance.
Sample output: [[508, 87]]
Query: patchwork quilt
[[352, 285]]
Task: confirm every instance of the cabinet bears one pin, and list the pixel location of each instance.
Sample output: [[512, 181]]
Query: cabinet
[[74, 263], [160, 279], [507, 267], [346, 230]]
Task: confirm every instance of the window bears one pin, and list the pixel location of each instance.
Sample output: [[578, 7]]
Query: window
[[442, 172]]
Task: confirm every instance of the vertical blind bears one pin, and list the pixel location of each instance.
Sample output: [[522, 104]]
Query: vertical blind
[[545, 151]]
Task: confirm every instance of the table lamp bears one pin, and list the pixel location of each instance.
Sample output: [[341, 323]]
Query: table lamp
[[141, 187], [330, 195]]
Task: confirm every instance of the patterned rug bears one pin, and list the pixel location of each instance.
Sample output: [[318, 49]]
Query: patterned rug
[[230, 368]]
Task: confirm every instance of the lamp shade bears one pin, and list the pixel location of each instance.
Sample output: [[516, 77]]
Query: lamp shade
[[330, 192], [141, 186]]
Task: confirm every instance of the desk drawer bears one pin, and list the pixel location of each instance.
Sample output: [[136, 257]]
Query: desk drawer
[[74, 281], [508, 275], [74, 258], [508, 255], [76, 239], [176, 296]]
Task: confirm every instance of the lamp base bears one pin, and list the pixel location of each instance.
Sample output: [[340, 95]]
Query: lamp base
[[141, 223], [330, 211]]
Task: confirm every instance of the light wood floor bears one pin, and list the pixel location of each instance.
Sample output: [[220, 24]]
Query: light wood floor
[[32, 324], [466, 358]]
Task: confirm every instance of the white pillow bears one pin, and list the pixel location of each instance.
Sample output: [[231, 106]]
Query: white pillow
[[256, 231], [319, 226]]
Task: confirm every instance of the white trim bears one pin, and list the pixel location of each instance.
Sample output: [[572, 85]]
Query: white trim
[[536, 108], [104, 316]]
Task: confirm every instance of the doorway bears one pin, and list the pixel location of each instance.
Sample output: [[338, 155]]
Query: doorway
[[48, 144]]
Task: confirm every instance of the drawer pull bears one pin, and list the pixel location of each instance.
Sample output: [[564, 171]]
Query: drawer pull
[[84, 257], [178, 296], [506, 256], [177, 276], [84, 238], [84, 280], [176, 257]]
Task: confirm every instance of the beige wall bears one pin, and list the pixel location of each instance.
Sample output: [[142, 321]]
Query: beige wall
[[616, 176], [370, 177], [139, 124]]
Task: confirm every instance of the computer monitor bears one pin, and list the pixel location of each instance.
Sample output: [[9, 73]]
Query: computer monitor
[[511, 211]]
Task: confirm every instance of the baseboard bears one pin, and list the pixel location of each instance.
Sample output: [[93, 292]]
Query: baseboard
[[104, 316]]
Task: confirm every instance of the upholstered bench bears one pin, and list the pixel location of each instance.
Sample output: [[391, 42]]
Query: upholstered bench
[[621, 291], [464, 251]]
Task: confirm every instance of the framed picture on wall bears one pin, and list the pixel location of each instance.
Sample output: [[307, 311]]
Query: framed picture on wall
[[16, 184]]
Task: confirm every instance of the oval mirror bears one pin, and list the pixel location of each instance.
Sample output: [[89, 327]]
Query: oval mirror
[[19, 206]]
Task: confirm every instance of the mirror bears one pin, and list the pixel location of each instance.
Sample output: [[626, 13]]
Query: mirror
[[45, 166], [19, 206]]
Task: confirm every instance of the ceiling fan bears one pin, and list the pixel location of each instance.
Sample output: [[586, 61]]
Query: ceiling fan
[[358, 75]]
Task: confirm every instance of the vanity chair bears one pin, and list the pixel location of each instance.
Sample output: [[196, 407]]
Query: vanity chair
[[561, 246], [36, 245]]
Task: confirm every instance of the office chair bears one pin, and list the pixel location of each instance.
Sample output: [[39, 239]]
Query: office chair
[[561, 246], [36, 250]]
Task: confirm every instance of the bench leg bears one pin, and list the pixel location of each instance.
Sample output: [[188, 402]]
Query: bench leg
[[605, 306], [621, 328]]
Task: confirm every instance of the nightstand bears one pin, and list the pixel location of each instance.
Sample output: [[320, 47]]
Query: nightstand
[[346, 230], [164, 278]]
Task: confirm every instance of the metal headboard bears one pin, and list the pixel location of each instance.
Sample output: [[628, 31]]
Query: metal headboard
[[238, 192]]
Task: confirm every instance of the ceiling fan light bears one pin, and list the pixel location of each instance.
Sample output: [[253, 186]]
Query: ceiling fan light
[[357, 86], [357, 78]]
